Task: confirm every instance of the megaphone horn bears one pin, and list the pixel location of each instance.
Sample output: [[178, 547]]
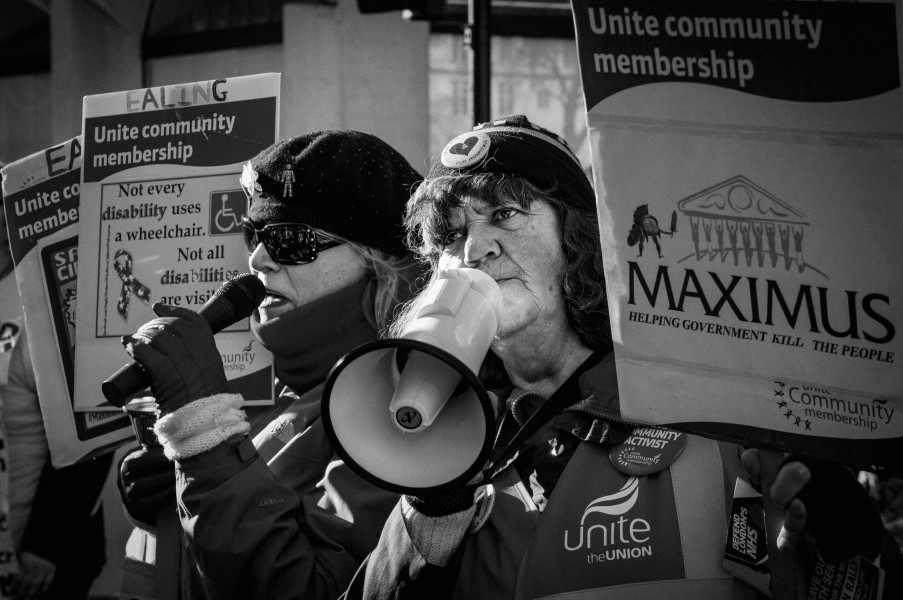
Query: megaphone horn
[[409, 414]]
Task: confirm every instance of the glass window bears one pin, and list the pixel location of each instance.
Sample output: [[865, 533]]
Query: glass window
[[537, 77], [177, 27], [24, 39], [531, 18]]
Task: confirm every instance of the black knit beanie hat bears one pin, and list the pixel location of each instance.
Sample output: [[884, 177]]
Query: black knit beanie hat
[[514, 146], [347, 183]]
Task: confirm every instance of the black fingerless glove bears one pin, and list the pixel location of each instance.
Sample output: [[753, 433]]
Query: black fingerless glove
[[446, 502], [840, 514]]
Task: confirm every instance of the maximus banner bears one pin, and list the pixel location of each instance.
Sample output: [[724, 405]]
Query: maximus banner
[[747, 163]]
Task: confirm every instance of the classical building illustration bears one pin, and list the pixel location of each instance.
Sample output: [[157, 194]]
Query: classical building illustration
[[737, 217]]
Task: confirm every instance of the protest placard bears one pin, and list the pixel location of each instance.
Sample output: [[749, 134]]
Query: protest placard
[[160, 218], [41, 205], [747, 163]]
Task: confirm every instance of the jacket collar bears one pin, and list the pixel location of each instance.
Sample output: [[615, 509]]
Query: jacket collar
[[599, 391], [597, 416]]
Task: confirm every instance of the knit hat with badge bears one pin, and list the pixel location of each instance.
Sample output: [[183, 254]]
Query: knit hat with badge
[[514, 146], [347, 183]]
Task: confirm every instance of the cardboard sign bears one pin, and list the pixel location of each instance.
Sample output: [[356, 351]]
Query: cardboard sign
[[747, 164], [161, 218], [41, 205]]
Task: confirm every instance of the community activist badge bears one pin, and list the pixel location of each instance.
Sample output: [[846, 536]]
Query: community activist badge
[[647, 450], [466, 150]]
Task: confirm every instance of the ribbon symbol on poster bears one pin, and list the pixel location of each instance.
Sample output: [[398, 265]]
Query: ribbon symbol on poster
[[122, 262]]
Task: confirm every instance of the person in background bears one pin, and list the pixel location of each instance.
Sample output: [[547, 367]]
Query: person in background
[[54, 518], [267, 509], [564, 509]]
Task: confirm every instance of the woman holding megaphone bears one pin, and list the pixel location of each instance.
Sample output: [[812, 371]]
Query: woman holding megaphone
[[564, 509], [266, 509]]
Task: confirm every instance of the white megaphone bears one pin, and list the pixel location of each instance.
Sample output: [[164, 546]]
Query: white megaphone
[[409, 414]]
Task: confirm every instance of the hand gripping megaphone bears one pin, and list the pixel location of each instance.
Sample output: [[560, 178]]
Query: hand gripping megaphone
[[409, 414]]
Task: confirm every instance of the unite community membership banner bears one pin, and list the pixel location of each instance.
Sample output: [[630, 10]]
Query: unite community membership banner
[[748, 165], [41, 205], [161, 209]]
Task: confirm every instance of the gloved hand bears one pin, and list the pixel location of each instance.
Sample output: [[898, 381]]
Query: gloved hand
[[178, 352], [147, 485], [446, 502], [454, 499], [840, 514], [826, 500]]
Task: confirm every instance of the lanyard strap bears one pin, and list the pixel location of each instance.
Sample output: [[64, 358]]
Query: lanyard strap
[[561, 399]]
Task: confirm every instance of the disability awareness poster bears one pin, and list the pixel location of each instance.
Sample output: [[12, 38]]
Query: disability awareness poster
[[161, 218], [41, 205], [748, 166]]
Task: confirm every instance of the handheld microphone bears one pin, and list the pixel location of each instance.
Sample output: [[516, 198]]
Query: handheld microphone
[[235, 300]]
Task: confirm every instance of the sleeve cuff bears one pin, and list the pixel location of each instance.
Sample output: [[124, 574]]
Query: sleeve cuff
[[436, 538], [201, 425]]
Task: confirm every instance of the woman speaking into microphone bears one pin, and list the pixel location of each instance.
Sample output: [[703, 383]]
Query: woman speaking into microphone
[[267, 510]]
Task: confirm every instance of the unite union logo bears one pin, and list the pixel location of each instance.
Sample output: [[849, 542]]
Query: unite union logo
[[608, 538], [615, 504]]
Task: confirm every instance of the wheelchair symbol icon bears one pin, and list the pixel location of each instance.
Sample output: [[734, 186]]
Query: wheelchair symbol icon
[[229, 206]]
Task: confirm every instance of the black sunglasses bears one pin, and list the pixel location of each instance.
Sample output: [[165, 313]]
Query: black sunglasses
[[287, 243]]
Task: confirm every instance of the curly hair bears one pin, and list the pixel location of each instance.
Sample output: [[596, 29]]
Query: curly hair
[[427, 223]]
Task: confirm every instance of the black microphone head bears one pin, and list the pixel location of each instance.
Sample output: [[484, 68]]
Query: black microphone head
[[245, 293]]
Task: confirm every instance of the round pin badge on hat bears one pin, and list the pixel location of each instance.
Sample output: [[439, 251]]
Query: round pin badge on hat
[[466, 150], [647, 450]]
